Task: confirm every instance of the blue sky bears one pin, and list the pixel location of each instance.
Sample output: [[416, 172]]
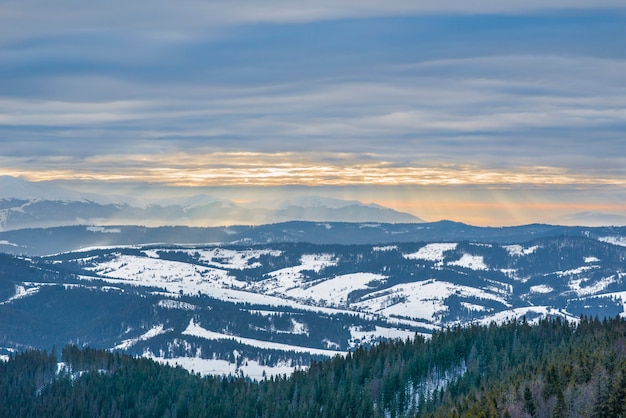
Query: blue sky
[[492, 112]]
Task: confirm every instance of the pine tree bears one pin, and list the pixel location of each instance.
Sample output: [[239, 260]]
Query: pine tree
[[560, 409], [617, 395], [529, 404]]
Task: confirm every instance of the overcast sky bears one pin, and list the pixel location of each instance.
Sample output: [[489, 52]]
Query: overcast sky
[[486, 109]]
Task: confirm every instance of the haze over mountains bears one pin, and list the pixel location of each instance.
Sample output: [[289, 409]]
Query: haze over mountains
[[26, 204]]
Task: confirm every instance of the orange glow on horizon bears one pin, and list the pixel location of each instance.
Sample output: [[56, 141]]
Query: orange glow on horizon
[[490, 213], [467, 193], [498, 205], [281, 169]]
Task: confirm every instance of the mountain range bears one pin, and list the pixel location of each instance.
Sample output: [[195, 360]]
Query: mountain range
[[26, 204], [269, 299], [267, 294]]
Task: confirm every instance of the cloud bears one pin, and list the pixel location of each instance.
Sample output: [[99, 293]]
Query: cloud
[[494, 110], [167, 16], [223, 169], [314, 92]]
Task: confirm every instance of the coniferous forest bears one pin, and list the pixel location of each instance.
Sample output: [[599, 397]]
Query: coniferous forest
[[551, 369]]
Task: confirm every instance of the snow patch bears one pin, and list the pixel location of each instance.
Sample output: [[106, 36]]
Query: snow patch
[[299, 328], [151, 333], [518, 251], [265, 313], [512, 274], [369, 226], [176, 304], [621, 241], [317, 262], [469, 261], [151, 253], [196, 330], [574, 272], [104, 230], [577, 286], [232, 259], [473, 307], [175, 276], [335, 291], [281, 281], [386, 248], [420, 300], [432, 252], [215, 367], [518, 313], [541, 288], [21, 292], [358, 336]]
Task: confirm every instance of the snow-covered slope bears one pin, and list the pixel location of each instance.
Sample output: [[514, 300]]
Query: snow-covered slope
[[265, 308]]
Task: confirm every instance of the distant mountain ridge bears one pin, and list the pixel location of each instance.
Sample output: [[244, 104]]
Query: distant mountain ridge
[[20, 189], [44, 241], [26, 204], [593, 219]]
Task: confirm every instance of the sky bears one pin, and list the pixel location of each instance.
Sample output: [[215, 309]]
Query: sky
[[487, 112]]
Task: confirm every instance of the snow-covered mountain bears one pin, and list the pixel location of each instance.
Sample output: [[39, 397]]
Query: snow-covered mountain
[[26, 204], [16, 188], [268, 308]]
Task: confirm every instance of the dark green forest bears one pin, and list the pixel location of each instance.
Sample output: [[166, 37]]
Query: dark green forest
[[550, 369]]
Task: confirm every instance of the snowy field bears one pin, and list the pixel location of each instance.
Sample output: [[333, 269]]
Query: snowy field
[[151, 333], [334, 291], [519, 251], [313, 284], [216, 367], [432, 252], [360, 337], [420, 300], [621, 241], [518, 313], [196, 330], [224, 258], [472, 262]]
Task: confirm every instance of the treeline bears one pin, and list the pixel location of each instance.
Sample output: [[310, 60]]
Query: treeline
[[554, 368]]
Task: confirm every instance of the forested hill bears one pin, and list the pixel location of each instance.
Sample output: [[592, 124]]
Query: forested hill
[[516, 369]]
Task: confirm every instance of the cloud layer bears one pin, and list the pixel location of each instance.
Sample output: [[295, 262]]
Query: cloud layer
[[315, 93]]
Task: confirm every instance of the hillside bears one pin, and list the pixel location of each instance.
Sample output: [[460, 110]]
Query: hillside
[[516, 369], [271, 308]]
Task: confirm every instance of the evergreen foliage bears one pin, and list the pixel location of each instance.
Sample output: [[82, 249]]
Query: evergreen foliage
[[554, 368]]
